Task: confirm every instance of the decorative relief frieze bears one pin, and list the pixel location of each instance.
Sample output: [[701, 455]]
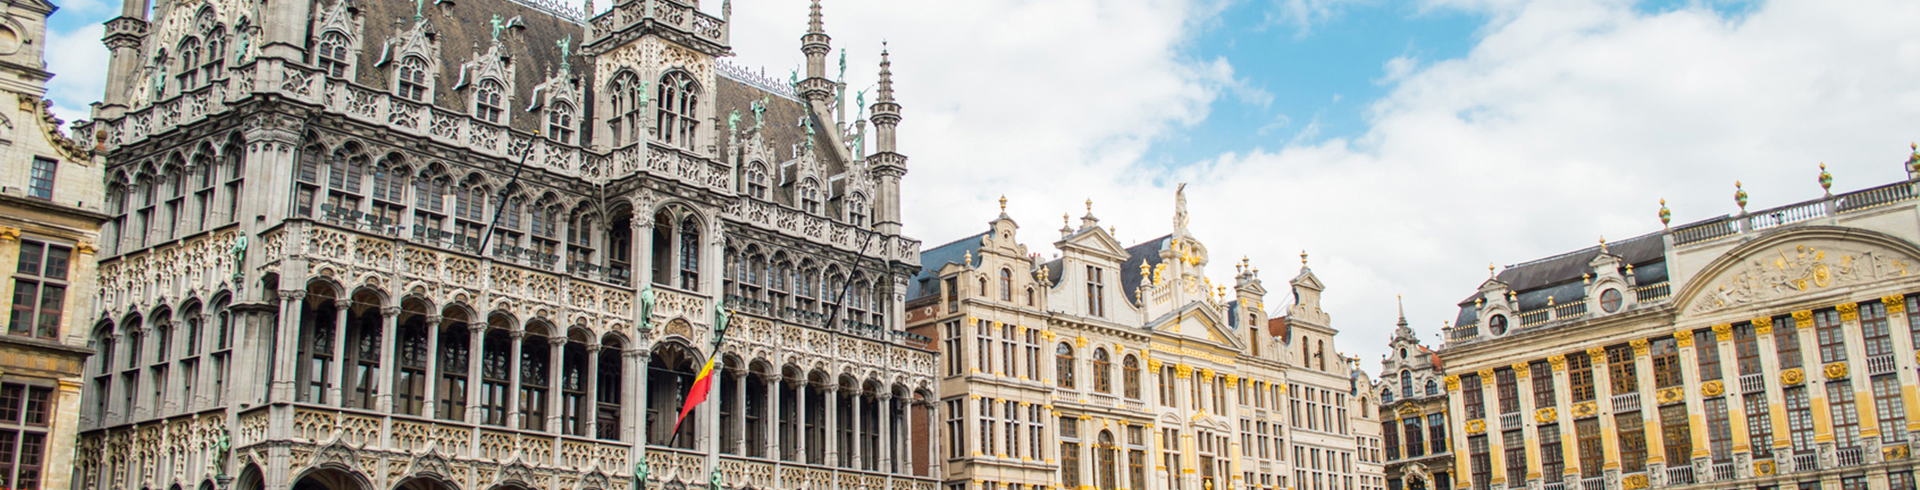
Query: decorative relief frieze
[[1790, 270]]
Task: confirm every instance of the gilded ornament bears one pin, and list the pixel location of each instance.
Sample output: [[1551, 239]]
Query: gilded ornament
[[1683, 338], [1453, 383], [1153, 364], [1671, 395], [1638, 481], [1739, 197], [1558, 361], [1826, 180], [1598, 355], [1763, 468], [1895, 303], [1894, 453], [1520, 369], [1835, 370], [1848, 311], [1792, 377], [1545, 415], [86, 248], [1639, 347], [1476, 426], [1585, 409], [1803, 319], [1080, 341], [1233, 381], [1183, 370], [1665, 215], [9, 233], [1712, 388], [1723, 332], [1206, 373], [1486, 376], [1763, 325]]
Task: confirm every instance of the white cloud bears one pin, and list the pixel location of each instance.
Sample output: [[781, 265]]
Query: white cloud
[[1567, 121], [78, 61]]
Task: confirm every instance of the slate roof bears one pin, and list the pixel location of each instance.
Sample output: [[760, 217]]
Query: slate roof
[[1559, 276], [782, 118], [1147, 252], [932, 259], [462, 32]]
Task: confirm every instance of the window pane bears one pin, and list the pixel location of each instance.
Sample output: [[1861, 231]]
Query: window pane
[[11, 396], [56, 266], [51, 300]]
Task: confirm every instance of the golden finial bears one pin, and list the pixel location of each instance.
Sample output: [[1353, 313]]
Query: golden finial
[[1303, 257], [1489, 269], [1003, 204], [1603, 244], [1665, 215], [1113, 230], [1089, 205], [1826, 180], [1740, 196], [1065, 219]]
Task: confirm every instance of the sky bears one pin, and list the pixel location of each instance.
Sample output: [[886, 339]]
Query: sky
[[1402, 145]]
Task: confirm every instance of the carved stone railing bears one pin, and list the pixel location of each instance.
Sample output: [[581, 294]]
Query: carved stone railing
[[670, 13], [1825, 207], [824, 231]]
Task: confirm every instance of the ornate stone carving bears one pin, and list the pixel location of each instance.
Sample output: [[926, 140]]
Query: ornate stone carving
[[1763, 325], [1683, 338], [1803, 319], [1476, 426], [1796, 269], [1546, 415], [1848, 311], [1558, 361], [1792, 377], [1895, 303], [1713, 388], [1723, 332], [1835, 370]]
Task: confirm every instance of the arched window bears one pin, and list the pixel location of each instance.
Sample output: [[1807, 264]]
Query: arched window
[[607, 419], [452, 363], [1006, 285], [1030, 296], [1320, 353], [1102, 371], [1432, 388], [189, 71], [1063, 365], [757, 180], [1104, 462], [1386, 396], [1406, 381], [857, 211], [410, 387], [1130, 376], [496, 368], [487, 101], [983, 287], [810, 197], [536, 354], [560, 123], [677, 97], [689, 254], [624, 95], [411, 84], [330, 54], [215, 58]]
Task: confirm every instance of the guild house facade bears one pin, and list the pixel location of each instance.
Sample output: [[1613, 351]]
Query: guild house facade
[[1765, 349], [1117, 367], [488, 244]]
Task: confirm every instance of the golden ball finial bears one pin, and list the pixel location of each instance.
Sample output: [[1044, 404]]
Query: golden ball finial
[[1303, 257], [1003, 203], [1089, 206]]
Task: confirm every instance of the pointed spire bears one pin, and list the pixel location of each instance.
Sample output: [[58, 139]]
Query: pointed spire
[[814, 24], [1398, 301], [886, 75]]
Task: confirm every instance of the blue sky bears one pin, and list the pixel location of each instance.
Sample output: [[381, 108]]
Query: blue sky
[[1404, 144]]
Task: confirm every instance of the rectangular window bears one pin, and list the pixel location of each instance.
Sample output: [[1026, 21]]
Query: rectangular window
[[1592, 449], [1900, 480], [1676, 433], [1873, 329], [1552, 464], [1746, 348], [1799, 419], [1508, 389], [1830, 335], [1786, 343], [1846, 415], [1437, 432], [1666, 362], [1580, 377], [952, 345], [1890, 407], [956, 429], [1480, 461], [39, 290], [1719, 430], [40, 180], [1759, 426], [1706, 348], [1633, 442], [1543, 395], [1622, 373], [1096, 292], [1514, 444], [1470, 393]]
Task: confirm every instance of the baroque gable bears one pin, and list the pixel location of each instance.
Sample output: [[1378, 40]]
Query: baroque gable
[[1803, 262]]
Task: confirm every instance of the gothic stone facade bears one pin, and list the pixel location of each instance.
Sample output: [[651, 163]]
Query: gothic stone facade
[[373, 245], [1116, 367], [1764, 349], [50, 216]]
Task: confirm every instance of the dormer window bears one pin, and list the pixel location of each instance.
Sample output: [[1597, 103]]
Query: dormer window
[[1096, 292], [757, 180], [330, 54], [560, 123], [1006, 285], [412, 82], [675, 101], [486, 101], [857, 212], [810, 197]]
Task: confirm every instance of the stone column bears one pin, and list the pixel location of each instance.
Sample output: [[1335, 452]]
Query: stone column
[[513, 377], [592, 418], [855, 433], [1860, 376], [342, 306], [430, 408], [287, 335], [890, 426], [1496, 434], [832, 424], [389, 366], [1903, 355], [556, 371], [1563, 403], [772, 420], [642, 244], [1602, 400], [740, 412], [1816, 388], [634, 410], [1529, 421], [476, 338], [1649, 410], [1776, 397], [801, 389]]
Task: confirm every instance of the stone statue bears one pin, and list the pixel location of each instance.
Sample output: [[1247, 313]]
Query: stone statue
[[720, 317], [1180, 209], [239, 252], [759, 108], [646, 306], [222, 449], [713, 483], [733, 122], [640, 474]]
